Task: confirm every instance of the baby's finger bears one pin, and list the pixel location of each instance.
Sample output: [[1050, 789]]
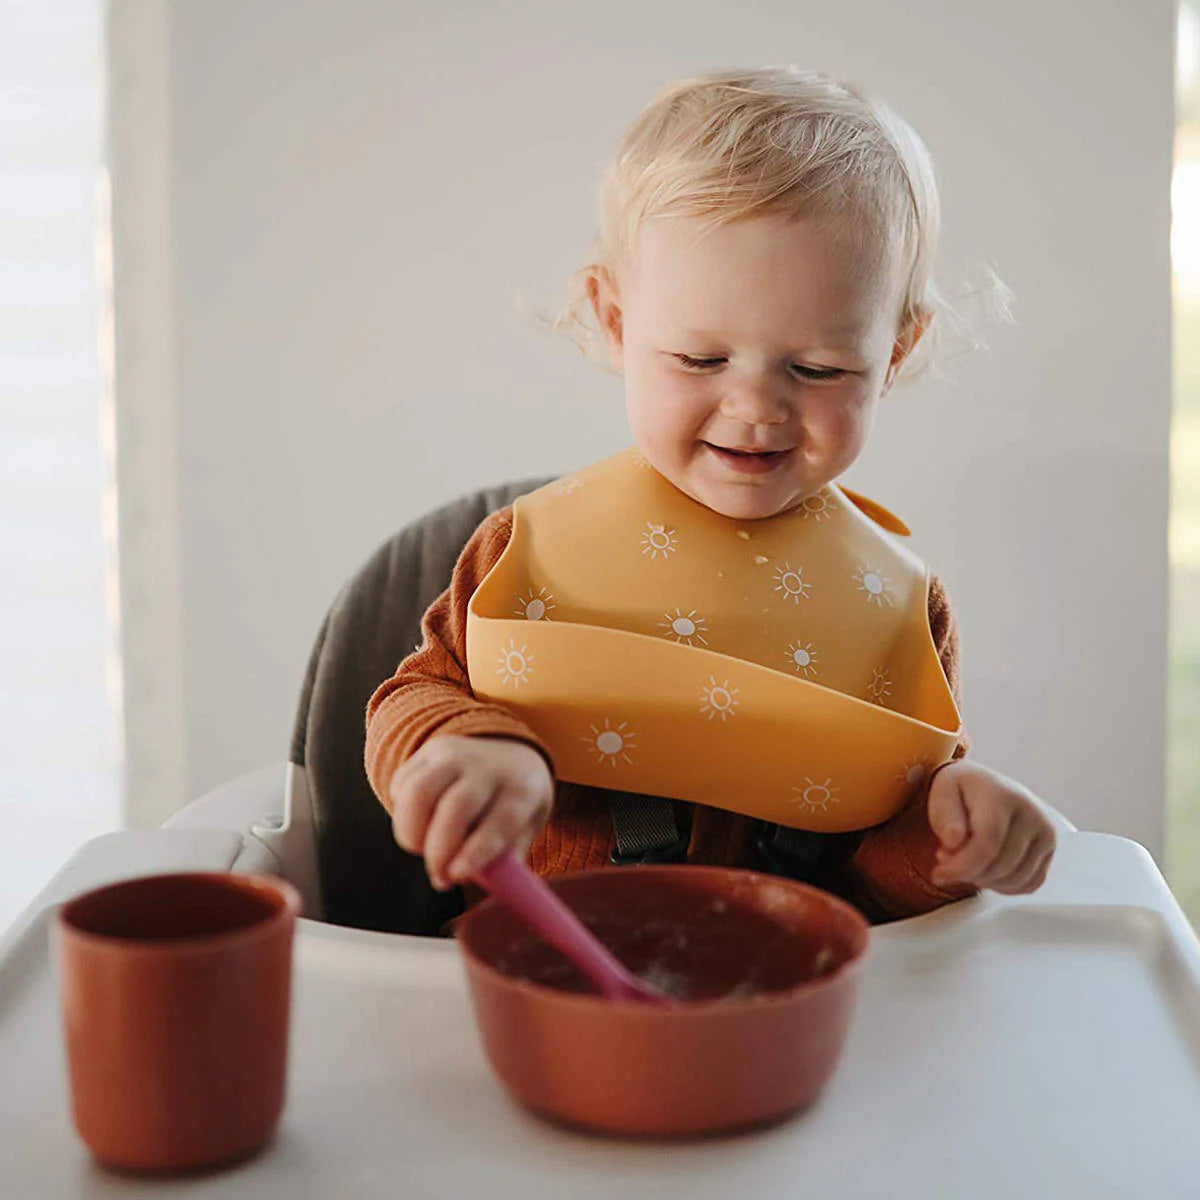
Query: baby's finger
[[1012, 854], [1030, 873], [988, 830], [461, 807], [525, 840], [415, 789], [947, 813], [1039, 876], [501, 827], [526, 837]]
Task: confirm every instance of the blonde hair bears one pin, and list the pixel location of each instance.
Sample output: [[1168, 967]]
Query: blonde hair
[[732, 143]]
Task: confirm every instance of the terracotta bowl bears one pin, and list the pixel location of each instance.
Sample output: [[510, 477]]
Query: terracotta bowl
[[765, 972]]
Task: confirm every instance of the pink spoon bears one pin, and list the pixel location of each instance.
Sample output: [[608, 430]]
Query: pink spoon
[[514, 884]]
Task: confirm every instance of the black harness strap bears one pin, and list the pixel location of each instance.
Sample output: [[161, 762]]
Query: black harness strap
[[801, 854], [647, 831], [646, 828]]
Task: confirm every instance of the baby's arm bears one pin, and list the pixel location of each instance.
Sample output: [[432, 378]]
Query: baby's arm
[[893, 866], [970, 827], [457, 775]]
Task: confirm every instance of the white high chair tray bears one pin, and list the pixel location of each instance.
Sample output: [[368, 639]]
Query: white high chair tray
[[1046, 1046]]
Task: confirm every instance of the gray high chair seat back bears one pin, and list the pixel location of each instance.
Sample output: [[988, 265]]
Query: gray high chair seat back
[[366, 879]]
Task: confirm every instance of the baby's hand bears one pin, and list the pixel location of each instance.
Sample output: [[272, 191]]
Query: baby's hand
[[461, 801], [993, 832]]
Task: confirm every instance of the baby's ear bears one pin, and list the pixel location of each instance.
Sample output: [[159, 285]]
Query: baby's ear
[[606, 304], [903, 346]]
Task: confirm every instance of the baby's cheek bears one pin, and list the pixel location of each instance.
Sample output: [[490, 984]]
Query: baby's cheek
[[837, 433], [661, 413]]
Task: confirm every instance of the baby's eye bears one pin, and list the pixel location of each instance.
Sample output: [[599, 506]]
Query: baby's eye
[[689, 361], [819, 372], [696, 364]]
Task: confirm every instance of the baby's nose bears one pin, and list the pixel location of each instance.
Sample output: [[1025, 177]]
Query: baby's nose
[[756, 403]]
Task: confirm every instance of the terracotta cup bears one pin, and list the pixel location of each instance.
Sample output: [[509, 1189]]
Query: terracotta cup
[[765, 970], [175, 995]]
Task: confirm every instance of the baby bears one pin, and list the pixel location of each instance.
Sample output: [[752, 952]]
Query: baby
[[761, 276]]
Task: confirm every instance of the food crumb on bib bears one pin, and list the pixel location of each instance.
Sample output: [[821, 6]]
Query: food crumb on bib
[[761, 558], [743, 534]]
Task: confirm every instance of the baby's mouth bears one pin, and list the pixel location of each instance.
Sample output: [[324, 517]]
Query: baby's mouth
[[748, 460]]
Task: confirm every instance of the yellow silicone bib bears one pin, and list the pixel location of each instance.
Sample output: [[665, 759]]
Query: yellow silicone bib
[[780, 668]]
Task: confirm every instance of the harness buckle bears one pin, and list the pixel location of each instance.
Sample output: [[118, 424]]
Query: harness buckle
[[673, 853]]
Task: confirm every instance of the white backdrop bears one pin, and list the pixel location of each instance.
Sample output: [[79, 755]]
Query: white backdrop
[[357, 192]]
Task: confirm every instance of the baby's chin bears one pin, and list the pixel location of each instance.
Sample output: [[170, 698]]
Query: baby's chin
[[739, 501], [745, 503], [749, 510]]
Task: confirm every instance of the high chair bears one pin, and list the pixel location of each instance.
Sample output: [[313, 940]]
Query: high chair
[[317, 822]]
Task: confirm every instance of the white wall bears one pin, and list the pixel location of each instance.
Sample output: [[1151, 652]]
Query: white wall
[[358, 190]]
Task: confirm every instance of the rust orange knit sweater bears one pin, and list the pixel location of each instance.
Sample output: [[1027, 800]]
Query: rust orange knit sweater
[[887, 875]]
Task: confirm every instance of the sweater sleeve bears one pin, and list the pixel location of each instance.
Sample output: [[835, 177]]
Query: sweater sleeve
[[890, 870], [430, 693]]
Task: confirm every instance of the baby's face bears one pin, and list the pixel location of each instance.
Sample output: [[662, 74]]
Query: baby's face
[[753, 356]]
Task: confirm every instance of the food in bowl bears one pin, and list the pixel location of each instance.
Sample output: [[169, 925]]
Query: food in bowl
[[701, 957], [765, 970]]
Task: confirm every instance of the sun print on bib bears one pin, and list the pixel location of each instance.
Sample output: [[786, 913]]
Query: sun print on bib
[[791, 584], [612, 743], [536, 606], [913, 772], [815, 796], [659, 540], [876, 586], [816, 507], [880, 687], [718, 699], [802, 658], [516, 664], [687, 628]]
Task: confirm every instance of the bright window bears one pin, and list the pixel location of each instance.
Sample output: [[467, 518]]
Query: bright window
[[1183, 768], [59, 680]]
